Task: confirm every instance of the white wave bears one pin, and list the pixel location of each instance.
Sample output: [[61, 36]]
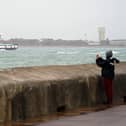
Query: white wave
[[115, 52], [68, 53], [2, 50], [103, 52], [94, 53]]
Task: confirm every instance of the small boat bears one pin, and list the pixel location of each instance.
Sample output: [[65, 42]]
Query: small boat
[[9, 46]]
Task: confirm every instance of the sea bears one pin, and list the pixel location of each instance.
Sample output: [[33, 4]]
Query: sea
[[44, 56]]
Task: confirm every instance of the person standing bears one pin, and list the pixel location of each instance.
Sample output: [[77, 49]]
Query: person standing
[[107, 72]]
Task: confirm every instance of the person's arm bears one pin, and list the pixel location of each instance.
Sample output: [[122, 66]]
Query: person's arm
[[115, 60], [100, 61]]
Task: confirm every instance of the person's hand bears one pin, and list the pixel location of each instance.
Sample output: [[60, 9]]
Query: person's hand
[[97, 56]]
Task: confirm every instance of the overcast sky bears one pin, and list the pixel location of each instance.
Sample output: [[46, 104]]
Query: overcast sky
[[66, 19]]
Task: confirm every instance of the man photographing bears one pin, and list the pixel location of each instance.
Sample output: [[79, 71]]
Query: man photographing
[[107, 72]]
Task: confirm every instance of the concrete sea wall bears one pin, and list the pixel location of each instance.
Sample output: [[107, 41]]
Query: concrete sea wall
[[36, 91]]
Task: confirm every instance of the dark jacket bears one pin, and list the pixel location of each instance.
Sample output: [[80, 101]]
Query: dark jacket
[[107, 66]]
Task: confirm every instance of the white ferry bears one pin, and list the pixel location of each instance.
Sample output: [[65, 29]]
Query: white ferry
[[8, 46]]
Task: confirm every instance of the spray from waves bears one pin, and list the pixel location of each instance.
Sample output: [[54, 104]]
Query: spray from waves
[[103, 52]]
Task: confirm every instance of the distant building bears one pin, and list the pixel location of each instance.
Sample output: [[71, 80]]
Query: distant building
[[93, 43], [118, 42], [101, 32], [105, 42]]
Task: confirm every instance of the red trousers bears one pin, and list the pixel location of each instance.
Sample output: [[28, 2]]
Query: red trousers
[[108, 89]]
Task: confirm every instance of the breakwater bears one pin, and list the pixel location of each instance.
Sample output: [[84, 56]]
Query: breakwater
[[36, 91]]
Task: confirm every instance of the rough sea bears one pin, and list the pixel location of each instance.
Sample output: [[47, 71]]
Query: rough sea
[[43, 56]]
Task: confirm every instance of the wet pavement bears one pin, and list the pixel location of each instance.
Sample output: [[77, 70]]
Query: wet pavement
[[115, 116]]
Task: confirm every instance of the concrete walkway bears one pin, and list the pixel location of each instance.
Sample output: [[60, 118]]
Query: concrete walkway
[[115, 116]]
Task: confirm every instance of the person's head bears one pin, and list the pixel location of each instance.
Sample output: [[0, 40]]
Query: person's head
[[109, 54]]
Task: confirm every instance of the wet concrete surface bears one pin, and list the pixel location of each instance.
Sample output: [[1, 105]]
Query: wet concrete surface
[[115, 116]]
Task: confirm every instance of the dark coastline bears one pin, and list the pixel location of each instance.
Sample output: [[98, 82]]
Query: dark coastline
[[60, 43]]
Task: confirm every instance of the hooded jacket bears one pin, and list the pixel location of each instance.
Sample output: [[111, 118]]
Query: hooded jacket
[[107, 66]]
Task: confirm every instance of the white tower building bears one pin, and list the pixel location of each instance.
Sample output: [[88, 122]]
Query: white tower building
[[101, 31]]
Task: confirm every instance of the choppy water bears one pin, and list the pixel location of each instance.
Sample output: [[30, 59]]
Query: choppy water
[[37, 56]]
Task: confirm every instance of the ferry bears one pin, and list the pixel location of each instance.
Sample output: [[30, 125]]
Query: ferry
[[9, 46]]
